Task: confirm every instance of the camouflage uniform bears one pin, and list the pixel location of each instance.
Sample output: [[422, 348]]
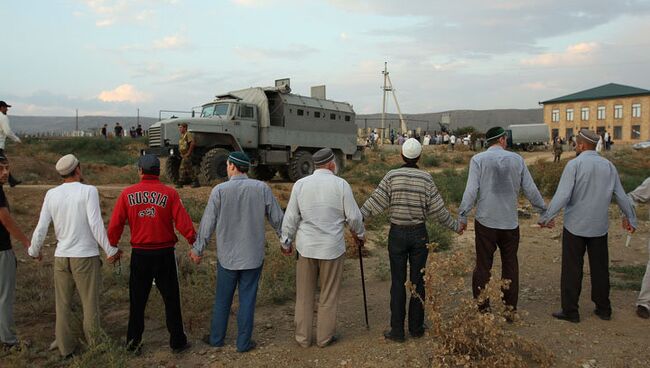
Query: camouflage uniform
[[186, 172]]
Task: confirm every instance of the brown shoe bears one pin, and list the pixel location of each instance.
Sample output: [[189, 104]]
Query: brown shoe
[[642, 312]]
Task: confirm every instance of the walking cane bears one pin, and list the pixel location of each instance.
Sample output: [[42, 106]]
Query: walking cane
[[363, 283]]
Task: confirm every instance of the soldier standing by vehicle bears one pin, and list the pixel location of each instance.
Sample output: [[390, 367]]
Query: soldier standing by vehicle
[[186, 172]]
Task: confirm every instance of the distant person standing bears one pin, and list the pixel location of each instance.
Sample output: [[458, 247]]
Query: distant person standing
[[132, 132], [557, 149], [138, 131], [78, 226], [5, 131], [186, 171], [119, 131], [452, 141], [400, 139], [392, 136], [104, 131], [587, 186], [7, 263]]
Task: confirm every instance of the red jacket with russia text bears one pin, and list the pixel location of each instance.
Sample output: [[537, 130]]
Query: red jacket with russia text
[[152, 210]]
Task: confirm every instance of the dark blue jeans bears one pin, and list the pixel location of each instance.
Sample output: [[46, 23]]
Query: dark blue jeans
[[227, 281], [407, 244]]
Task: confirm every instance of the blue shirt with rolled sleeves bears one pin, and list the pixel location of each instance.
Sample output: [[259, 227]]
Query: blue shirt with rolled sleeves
[[495, 178], [586, 188], [237, 210]]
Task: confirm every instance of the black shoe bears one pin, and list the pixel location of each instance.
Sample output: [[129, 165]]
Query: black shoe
[[331, 341], [196, 184], [251, 345], [135, 349], [564, 317], [419, 333], [182, 349], [642, 312], [604, 315], [206, 340], [389, 336], [179, 185]]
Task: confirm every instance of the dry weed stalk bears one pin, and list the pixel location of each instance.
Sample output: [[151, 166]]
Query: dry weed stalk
[[464, 337]]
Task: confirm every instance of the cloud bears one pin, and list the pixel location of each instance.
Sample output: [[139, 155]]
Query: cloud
[[255, 3], [574, 54], [293, 52], [170, 42], [111, 12], [123, 93]]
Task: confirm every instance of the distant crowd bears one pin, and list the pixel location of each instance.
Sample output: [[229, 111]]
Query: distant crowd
[[449, 139], [119, 132]]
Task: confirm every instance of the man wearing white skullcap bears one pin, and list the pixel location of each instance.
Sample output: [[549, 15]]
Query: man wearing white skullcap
[[410, 196], [79, 228], [586, 188]]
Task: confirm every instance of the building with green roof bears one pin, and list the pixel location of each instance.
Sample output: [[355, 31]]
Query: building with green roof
[[621, 111]]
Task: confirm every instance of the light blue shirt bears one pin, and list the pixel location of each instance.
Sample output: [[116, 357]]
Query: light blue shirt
[[236, 210], [495, 178], [586, 188]]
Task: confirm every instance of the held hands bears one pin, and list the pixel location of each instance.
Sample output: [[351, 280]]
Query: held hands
[[195, 259], [115, 257], [286, 251], [549, 225], [627, 226], [461, 228]]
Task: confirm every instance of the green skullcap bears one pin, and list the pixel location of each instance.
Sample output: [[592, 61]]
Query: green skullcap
[[494, 133], [239, 158]]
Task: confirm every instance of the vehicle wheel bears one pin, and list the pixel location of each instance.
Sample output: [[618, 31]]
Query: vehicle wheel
[[301, 165], [530, 148], [264, 172], [284, 173], [172, 165], [213, 165]]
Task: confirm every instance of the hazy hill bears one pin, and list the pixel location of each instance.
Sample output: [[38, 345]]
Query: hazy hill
[[59, 124], [479, 119]]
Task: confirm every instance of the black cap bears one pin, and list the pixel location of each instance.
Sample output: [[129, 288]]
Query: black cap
[[323, 156], [4, 104], [3, 158], [149, 163]]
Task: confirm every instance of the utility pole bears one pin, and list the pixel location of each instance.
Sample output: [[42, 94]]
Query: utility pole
[[383, 105], [388, 87], [138, 115], [76, 124]]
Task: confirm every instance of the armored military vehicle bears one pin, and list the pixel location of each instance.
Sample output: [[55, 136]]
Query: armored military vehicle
[[279, 131], [528, 136]]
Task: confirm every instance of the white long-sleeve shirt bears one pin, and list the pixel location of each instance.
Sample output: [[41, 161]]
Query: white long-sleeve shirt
[[78, 225], [5, 131], [319, 207]]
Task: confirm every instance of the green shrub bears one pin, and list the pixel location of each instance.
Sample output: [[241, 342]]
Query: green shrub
[[440, 235], [431, 161], [451, 184], [195, 208], [277, 284], [546, 175]]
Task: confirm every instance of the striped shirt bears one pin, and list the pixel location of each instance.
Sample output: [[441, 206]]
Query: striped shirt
[[410, 196]]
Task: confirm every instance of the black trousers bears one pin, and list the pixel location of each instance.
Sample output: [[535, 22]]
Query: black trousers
[[147, 266], [407, 244], [573, 253], [487, 241]]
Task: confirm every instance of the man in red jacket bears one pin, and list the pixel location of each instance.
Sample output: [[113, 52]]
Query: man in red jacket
[[152, 210]]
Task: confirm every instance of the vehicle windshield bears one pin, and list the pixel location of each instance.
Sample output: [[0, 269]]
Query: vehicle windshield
[[215, 110]]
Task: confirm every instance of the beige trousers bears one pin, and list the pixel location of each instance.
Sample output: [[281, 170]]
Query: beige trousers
[[308, 271], [85, 274]]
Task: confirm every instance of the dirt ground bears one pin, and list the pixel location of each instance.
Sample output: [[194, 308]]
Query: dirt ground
[[621, 342]]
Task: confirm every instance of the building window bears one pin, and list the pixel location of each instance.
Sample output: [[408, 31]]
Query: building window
[[317, 114], [555, 115], [618, 132], [569, 114], [601, 113], [618, 111], [584, 113], [332, 116], [301, 112], [636, 110], [569, 133], [347, 117], [555, 133], [636, 131]]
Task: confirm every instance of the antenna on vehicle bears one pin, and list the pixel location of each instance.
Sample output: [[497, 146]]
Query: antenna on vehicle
[[388, 87]]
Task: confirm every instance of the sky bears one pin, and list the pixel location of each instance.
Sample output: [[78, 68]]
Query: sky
[[113, 57]]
